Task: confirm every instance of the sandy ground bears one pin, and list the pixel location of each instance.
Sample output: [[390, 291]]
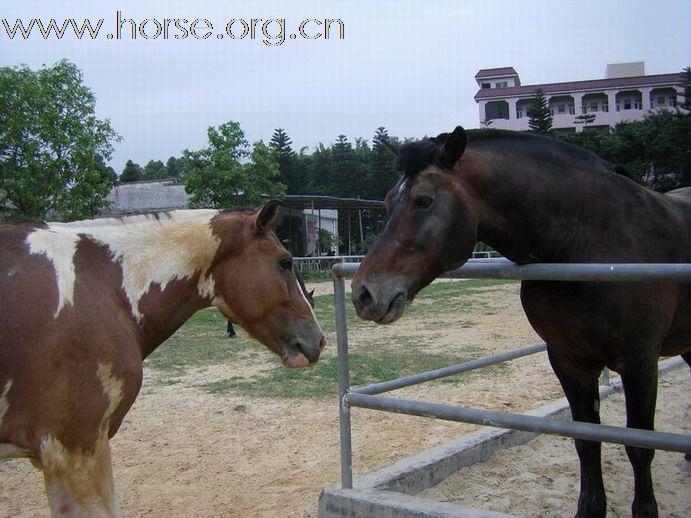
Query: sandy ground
[[540, 478], [184, 452]]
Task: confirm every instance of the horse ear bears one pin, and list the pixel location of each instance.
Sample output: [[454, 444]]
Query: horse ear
[[453, 148], [391, 147], [264, 217], [311, 293]]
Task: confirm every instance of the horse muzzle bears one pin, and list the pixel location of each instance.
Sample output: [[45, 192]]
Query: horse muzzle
[[303, 349], [381, 302]]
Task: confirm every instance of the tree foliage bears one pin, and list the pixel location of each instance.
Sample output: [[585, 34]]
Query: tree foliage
[[153, 170], [289, 173], [539, 117], [132, 172], [53, 148], [228, 173], [381, 175], [686, 85], [656, 149]]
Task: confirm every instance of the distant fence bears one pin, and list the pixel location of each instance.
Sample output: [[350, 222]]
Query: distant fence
[[366, 397], [325, 263]]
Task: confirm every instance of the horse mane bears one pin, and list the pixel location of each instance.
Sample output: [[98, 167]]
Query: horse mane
[[133, 219], [414, 157]]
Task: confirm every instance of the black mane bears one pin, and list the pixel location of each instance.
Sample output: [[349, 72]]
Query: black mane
[[414, 157]]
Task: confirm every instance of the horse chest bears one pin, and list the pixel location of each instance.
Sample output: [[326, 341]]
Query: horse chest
[[602, 321]]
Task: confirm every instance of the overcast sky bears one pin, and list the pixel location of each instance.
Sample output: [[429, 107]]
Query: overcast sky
[[405, 65]]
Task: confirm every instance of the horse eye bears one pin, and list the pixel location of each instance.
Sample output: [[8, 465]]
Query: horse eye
[[286, 264], [423, 202]]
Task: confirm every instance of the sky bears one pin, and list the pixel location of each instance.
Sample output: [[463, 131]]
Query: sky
[[406, 65]]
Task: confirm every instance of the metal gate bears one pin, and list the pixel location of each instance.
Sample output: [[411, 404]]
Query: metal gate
[[367, 396]]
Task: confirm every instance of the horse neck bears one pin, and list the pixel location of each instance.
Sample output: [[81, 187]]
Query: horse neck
[[164, 262], [527, 210]]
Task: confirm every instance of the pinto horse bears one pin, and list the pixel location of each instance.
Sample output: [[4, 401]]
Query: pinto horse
[[537, 199], [84, 303]]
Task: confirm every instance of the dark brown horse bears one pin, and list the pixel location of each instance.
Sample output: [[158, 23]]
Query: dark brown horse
[[536, 199], [84, 303]]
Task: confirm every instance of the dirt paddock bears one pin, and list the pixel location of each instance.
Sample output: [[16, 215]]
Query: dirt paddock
[[182, 451], [540, 478]]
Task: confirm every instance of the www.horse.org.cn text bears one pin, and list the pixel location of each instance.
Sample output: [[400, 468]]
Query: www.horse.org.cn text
[[271, 32]]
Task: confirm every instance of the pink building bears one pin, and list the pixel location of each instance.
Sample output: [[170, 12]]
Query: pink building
[[625, 93]]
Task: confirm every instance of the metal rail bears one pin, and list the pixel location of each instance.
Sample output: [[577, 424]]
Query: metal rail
[[366, 397], [502, 268]]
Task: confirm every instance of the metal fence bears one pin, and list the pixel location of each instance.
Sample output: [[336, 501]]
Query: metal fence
[[324, 263], [367, 397]]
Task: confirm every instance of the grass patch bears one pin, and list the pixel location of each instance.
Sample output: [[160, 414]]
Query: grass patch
[[202, 342], [321, 380]]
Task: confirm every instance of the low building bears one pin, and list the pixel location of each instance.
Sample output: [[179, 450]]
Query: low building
[[147, 196], [625, 94]]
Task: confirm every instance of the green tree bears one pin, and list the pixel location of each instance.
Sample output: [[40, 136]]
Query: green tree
[[228, 173], [686, 84], [348, 174], [585, 119], [539, 116], [52, 146], [656, 149], [287, 162], [381, 173], [174, 168], [318, 166], [132, 172], [154, 170]]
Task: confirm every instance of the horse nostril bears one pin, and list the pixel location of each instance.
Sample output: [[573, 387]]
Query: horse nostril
[[365, 297]]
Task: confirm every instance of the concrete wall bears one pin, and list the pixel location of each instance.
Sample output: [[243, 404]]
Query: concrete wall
[[148, 196]]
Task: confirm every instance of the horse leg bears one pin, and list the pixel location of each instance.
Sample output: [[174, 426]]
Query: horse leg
[[78, 482], [581, 389], [640, 388], [60, 502]]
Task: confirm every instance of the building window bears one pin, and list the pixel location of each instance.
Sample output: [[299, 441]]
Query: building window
[[637, 105], [519, 113], [485, 86], [661, 100], [605, 107], [502, 84], [497, 110], [572, 109], [561, 108], [671, 102], [593, 106]]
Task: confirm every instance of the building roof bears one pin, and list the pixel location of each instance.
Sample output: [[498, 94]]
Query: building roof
[[496, 72], [579, 86], [299, 201], [162, 195]]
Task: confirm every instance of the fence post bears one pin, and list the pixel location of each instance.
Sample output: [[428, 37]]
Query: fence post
[[343, 380]]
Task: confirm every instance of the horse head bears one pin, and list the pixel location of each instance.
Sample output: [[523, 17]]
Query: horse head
[[430, 228], [258, 287]]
